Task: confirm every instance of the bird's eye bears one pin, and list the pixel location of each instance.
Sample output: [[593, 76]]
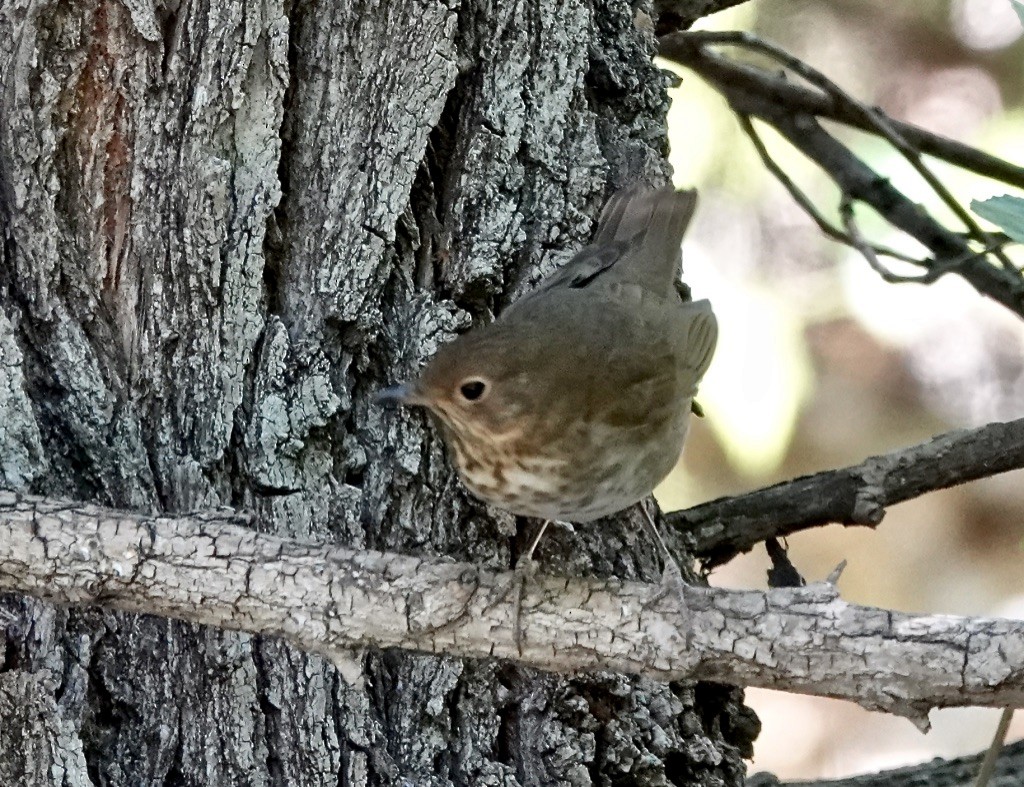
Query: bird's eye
[[472, 390]]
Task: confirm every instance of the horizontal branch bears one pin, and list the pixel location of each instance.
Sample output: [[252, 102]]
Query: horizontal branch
[[331, 600], [857, 495], [680, 14]]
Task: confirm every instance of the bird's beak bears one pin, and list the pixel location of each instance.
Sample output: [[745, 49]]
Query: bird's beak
[[406, 394]]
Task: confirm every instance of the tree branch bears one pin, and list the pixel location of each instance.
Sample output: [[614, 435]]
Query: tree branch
[[672, 15], [802, 100], [875, 121], [857, 495], [330, 600], [805, 201], [853, 177]]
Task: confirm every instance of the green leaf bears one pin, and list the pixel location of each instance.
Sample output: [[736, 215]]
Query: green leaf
[[1005, 212], [1018, 6]]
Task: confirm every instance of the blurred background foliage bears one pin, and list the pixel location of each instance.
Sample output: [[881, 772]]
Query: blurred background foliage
[[821, 364]]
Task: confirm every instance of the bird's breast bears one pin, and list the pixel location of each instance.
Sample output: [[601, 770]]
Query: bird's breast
[[577, 476]]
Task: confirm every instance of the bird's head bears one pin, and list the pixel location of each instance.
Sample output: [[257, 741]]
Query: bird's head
[[479, 386]]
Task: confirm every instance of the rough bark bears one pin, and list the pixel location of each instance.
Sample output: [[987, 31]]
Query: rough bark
[[335, 601], [225, 225], [41, 745]]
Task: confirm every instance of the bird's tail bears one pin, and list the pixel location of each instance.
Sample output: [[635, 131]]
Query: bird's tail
[[653, 222]]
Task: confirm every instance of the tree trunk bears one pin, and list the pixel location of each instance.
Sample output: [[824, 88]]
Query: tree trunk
[[225, 226]]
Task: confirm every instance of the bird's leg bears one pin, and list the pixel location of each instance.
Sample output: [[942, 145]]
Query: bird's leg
[[523, 565], [671, 575], [524, 568]]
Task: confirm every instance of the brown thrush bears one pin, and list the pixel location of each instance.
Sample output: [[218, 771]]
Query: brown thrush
[[574, 403]]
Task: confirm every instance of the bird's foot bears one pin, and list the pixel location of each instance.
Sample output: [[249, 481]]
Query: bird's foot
[[524, 570], [514, 589], [671, 575], [673, 587]]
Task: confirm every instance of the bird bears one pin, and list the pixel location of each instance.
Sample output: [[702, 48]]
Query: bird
[[575, 402]]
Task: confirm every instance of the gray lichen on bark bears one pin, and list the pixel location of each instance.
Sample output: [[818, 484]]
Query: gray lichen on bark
[[42, 745], [22, 459]]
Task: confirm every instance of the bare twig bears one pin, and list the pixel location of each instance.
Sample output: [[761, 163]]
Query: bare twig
[[862, 183], [869, 252], [988, 765], [936, 268], [813, 102], [874, 119], [806, 203], [330, 600], [672, 15], [853, 177], [857, 495]]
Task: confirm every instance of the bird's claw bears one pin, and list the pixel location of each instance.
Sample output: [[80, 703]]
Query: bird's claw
[[673, 587], [672, 579], [525, 568]]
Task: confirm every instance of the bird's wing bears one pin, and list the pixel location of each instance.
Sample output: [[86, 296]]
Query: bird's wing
[[657, 361], [630, 364], [585, 266], [697, 330], [624, 359]]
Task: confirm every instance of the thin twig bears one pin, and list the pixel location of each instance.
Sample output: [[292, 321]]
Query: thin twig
[[988, 765], [797, 98], [873, 117], [805, 202], [868, 252], [680, 14], [936, 268], [746, 90], [854, 177]]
